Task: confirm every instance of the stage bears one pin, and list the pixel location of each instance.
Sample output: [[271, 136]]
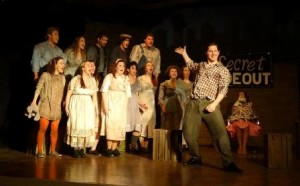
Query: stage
[[20, 168]]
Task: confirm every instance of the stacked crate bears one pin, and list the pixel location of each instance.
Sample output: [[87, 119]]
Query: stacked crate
[[279, 150], [162, 146]]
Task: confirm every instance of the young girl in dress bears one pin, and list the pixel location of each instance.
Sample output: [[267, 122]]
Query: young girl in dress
[[133, 127], [93, 149], [81, 108], [115, 91], [50, 89]]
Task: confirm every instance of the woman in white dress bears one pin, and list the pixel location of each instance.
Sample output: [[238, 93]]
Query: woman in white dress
[[81, 108], [147, 95], [93, 149], [133, 127], [115, 91]]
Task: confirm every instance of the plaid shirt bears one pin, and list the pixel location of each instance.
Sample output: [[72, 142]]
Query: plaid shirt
[[210, 81]]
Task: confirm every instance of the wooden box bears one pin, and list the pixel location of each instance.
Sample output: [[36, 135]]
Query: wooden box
[[162, 146], [279, 150]]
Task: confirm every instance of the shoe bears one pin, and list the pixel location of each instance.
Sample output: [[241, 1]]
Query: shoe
[[81, 153], [40, 155], [116, 153], [76, 154], [184, 148], [134, 151], [109, 153], [55, 154], [193, 161], [94, 152], [144, 150], [232, 168]]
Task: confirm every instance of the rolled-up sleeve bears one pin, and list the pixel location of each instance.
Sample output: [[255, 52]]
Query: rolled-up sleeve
[[106, 83], [224, 81], [36, 58], [157, 62], [135, 54], [41, 85], [192, 65]]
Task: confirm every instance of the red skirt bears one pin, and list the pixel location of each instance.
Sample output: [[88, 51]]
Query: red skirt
[[254, 129]]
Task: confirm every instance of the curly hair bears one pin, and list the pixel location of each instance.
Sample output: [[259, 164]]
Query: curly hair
[[167, 72], [52, 63]]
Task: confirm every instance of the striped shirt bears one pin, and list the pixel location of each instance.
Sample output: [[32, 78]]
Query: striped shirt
[[210, 80]]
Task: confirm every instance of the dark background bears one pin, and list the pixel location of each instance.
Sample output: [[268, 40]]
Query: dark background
[[238, 27]]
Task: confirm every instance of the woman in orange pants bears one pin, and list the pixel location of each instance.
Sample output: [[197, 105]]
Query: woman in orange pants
[[49, 89]]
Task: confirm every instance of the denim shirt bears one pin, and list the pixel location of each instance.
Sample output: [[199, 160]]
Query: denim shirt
[[42, 54]]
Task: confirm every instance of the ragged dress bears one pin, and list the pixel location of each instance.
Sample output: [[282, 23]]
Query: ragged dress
[[118, 91], [81, 123], [148, 117]]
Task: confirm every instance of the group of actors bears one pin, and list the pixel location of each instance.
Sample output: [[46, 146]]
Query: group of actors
[[113, 95]]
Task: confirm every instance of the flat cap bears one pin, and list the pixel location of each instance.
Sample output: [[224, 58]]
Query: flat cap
[[125, 36]]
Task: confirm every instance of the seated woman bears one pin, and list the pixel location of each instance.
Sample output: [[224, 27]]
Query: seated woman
[[243, 122]]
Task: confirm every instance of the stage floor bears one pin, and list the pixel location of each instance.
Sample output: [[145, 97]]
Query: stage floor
[[19, 168]]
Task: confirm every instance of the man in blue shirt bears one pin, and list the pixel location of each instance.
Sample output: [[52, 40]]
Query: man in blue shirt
[[45, 51]]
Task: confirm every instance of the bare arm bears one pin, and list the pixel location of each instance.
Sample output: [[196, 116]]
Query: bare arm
[[161, 96], [95, 102], [35, 97], [182, 51], [141, 103], [68, 97], [39, 87], [212, 107], [104, 102], [35, 76]]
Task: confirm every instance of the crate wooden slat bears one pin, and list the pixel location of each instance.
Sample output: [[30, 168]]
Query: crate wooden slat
[[279, 150], [162, 146]]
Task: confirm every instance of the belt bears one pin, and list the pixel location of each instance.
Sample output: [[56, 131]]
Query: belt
[[205, 98]]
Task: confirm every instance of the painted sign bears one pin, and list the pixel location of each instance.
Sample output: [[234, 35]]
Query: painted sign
[[252, 70]]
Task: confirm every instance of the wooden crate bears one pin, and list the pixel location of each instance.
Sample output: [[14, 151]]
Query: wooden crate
[[279, 150], [162, 146]]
